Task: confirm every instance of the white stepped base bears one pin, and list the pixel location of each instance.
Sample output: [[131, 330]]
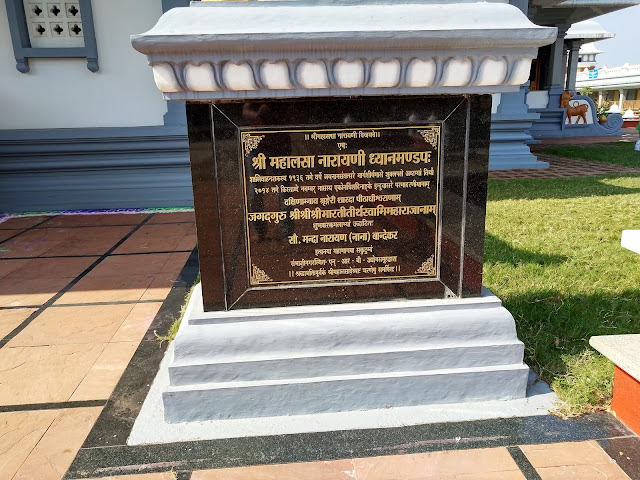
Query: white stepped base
[[333, 358], [350, 364], [332, 394]]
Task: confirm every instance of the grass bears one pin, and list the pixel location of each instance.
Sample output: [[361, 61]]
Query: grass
[[553, 255], [173, 329], [621, 153]]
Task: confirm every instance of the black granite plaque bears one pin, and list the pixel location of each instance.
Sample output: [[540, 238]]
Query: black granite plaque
[[327, 204], [322, 201]]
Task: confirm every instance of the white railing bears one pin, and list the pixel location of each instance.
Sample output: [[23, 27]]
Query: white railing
[[615, 72]]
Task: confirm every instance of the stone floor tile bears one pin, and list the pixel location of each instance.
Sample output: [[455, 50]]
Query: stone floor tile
[[22, 222], [91, 289], [188, 242], [508, 475], [96, 219], [15, 293], [176, 262], [55, 451], [454, 463], [144, 476], [95, 232], [40, 234], [561, 167], [327, 470], [9, 266], [160, 286], [155, 238], [80, 246], [172, 217], [51, 268], [106, 372], [625, 451], [583, 472], [153, 243], [137, 322], [131, 264], [4, 234], [44, 374], [169, 230], [73, 325], [27, 245], [10, 319], [19, 434], [566, 453]]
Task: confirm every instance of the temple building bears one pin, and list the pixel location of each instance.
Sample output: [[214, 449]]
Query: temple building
[[83, 126], [617, 85]]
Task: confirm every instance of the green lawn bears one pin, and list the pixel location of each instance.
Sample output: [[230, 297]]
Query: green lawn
[[620, 153], [553, 255]]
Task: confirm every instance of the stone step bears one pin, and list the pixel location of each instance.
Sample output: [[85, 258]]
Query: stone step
[[351, 363], [338, 329], [217, 401]]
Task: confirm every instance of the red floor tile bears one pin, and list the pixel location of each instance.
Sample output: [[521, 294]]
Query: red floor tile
[[96, 220], [173, 217], [22, 222]]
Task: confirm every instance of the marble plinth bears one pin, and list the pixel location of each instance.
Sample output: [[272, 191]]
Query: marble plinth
[[347, 357]]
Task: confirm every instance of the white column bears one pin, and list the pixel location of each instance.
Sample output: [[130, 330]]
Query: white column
[[557, 68], [558, 65], [621, 98], [600, 97], [572, 69]]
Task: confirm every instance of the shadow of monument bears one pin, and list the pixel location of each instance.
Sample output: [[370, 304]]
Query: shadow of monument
[[497, 250], [553, 324], [557, 188]]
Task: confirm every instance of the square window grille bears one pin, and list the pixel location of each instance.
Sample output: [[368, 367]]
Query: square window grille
[[52, 29]]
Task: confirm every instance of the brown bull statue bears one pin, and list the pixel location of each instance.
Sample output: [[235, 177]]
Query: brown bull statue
[[575, 110]]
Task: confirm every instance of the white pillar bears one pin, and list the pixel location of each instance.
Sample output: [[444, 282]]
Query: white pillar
[[600, 97], [557, 67], [621, 98], [572, 69]]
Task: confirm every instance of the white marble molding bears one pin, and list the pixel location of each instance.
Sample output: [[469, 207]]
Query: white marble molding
[[277, 49]]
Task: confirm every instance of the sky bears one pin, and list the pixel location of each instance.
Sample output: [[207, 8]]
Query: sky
[[625, 46]]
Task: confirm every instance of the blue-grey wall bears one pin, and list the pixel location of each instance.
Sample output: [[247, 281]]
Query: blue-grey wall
[[95, 168]]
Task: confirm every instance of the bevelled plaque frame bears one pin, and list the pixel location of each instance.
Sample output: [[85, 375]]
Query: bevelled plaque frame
[[339, 200]]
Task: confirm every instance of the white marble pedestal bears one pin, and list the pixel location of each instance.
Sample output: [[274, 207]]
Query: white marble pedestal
[[346, 357]]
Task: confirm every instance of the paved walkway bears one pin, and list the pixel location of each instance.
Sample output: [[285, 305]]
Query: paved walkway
[[561, 167], [80, 299], [628, 135], [77, 296]]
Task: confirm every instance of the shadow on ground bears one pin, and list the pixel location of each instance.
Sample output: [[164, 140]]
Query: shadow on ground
[[553, 325], [497, 250], [557, 188]]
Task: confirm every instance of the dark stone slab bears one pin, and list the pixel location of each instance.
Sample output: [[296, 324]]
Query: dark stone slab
[[345, 213], [625, 452], [117, 417], [307, 447]]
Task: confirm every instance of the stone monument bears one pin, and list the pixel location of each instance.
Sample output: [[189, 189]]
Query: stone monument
[[339, 159]]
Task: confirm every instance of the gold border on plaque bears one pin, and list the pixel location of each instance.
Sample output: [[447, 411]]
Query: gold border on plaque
[[431, 136], [250, 142], [258, 276], [428, 132], [427, 268]]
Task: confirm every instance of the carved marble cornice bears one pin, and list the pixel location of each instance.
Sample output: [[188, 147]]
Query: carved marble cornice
[[283, 49]]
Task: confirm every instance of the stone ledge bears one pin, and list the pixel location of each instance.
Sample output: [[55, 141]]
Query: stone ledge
[[631, 240], [280, 49], [621, 350]]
